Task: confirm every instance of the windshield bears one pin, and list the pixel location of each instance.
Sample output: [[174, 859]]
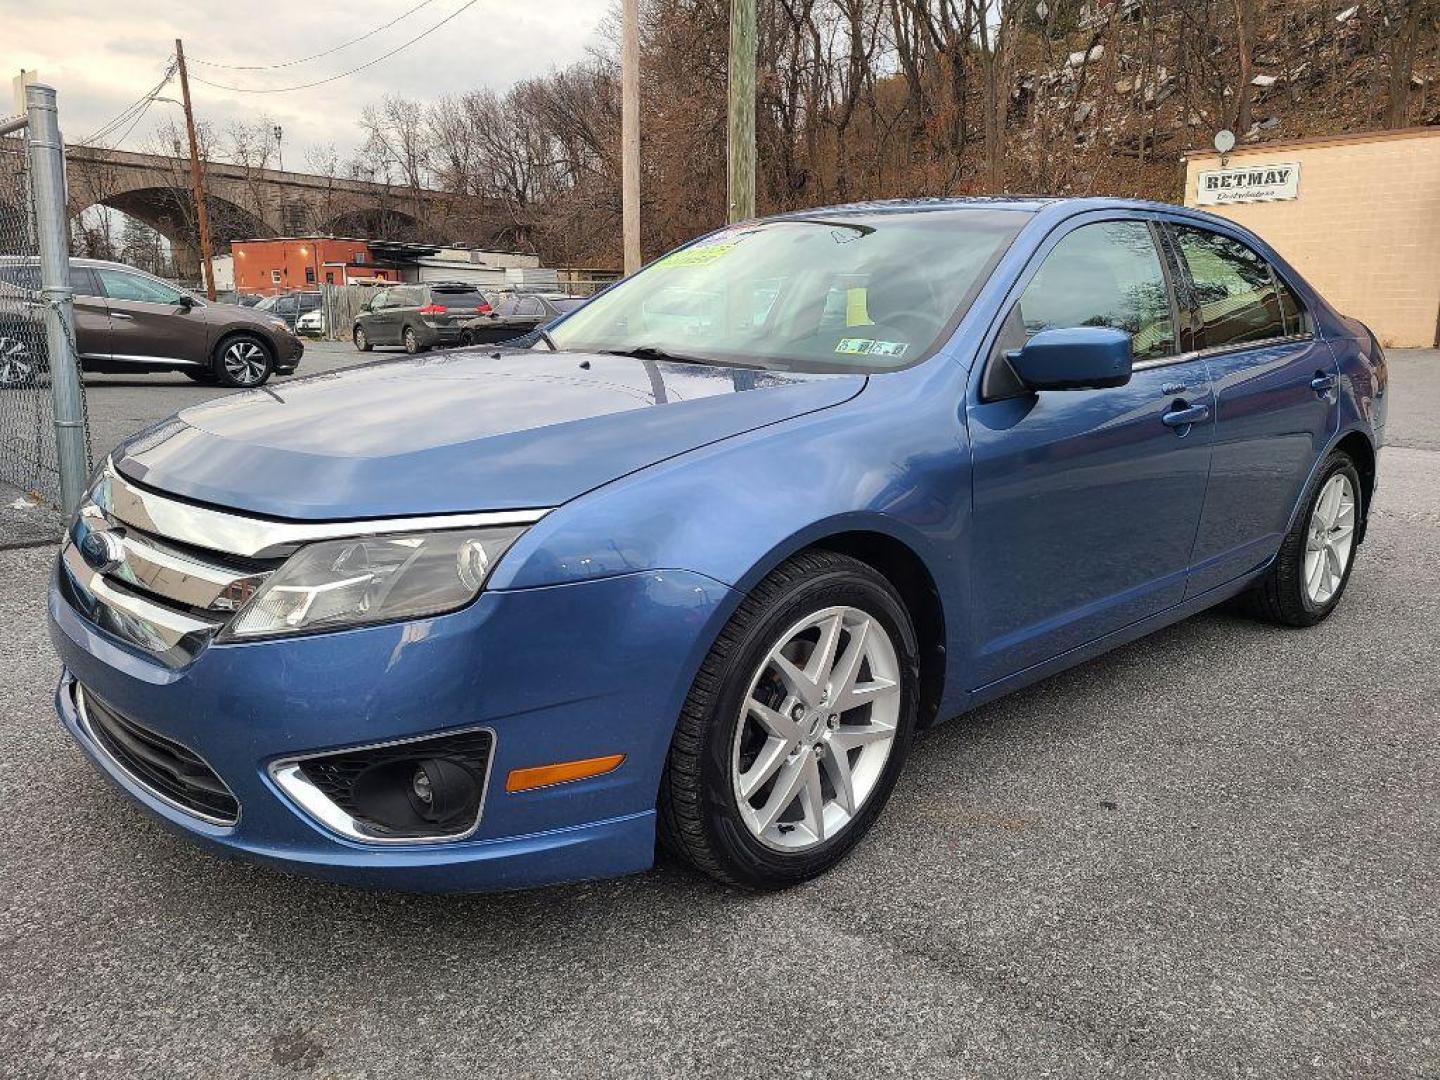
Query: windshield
[[843, 293]]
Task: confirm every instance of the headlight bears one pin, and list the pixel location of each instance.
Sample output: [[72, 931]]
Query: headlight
[[341, 583]]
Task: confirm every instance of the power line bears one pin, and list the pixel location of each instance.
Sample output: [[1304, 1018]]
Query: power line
[[313, 56], [135, 109], [344, 74]]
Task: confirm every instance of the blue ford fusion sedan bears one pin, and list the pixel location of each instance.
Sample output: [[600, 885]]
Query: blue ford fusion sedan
[[695, 568]]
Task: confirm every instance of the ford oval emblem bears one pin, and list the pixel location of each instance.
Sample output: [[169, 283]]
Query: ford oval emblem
[[102, 551]]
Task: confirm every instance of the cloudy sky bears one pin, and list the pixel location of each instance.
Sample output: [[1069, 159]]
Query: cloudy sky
[[101, 55]]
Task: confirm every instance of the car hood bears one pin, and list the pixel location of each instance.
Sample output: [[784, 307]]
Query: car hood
[[467, 430]]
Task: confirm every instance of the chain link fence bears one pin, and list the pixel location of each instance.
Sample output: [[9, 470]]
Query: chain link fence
[[30, 473]]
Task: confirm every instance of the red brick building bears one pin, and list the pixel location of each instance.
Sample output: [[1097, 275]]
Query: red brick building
[[303, 262]]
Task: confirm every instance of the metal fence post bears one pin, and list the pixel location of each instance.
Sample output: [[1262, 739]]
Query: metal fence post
[[52, 227]]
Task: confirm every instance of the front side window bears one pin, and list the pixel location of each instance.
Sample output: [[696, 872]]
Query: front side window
[[529, 307], [1234, 291], [841, 292], [119, 285], [1107, 274]]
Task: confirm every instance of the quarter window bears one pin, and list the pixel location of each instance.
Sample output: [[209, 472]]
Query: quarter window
[[119, 285], [1234, 292], [1107, 274]]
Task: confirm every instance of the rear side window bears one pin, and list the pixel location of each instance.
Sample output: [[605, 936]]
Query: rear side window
[[1297, 321], [1234, 291], [1107, 274]]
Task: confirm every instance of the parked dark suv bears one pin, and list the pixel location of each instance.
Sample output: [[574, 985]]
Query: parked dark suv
[[418, 316], [129, 321]]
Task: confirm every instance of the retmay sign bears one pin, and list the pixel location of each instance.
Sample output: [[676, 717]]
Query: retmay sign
[[1252, 183]]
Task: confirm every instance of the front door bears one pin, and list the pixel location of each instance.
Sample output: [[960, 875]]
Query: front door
[[1277, 400], [1086, 502], [151, 322]]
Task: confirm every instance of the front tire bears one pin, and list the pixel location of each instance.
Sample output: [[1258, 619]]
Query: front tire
[[243, 362], [796, 728], [362, 341], [17, 365], [1306, 581]]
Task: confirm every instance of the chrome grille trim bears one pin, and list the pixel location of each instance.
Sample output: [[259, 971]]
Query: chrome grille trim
[[153, 567], [259, 538], [173, 636]]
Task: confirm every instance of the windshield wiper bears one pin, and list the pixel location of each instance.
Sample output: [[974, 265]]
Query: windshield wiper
[[651, 352]]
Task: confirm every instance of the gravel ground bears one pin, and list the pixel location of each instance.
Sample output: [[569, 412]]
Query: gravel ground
[[1211, 853]]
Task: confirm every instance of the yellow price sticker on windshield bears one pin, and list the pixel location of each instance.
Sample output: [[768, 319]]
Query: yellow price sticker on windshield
[[698, 256]]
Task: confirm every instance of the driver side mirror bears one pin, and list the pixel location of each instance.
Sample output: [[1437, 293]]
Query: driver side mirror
[[186, 301], [1074, 358]]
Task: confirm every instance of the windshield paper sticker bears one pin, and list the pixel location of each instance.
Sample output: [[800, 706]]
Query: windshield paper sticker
[[707, 251], [859, 346]]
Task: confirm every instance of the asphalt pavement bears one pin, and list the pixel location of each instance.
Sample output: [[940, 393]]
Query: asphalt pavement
[[1211, 853]]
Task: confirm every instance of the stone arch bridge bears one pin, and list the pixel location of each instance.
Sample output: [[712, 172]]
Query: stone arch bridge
[[245, 202]]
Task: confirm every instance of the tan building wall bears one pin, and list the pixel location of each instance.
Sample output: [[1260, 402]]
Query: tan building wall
[[1364, 229]]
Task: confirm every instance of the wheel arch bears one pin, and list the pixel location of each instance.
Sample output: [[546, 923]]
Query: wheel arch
[[902, 566], [896, 559], [230, 333], [1356, 444]]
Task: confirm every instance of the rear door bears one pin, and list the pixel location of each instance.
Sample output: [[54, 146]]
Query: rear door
[[92, 315], [1276, 389], [403, 307], [1086, 502], [149, 324]]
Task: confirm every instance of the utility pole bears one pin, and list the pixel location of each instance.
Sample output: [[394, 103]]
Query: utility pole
[[630, 132], [197, 179], [740, 173]]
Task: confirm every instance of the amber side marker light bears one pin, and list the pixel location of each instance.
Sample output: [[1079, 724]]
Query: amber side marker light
[[538, 776]]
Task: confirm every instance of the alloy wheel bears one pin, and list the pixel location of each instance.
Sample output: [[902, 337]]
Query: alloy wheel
[[16, 365], [1329, 539], [816, 727], [245, 363]]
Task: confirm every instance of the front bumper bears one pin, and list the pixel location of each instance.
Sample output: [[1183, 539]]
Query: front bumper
[[558, 673], [288, 356]]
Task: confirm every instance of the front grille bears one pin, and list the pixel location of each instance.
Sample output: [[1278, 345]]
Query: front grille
[[172, 772]]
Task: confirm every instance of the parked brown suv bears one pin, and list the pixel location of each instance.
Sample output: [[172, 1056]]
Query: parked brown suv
[[129, 321]]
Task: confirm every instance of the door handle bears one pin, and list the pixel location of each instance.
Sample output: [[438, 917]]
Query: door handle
[[120, 315], [1182, 415], [1322, 384]]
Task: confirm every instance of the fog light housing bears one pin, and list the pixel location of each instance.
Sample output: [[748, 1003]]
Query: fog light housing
[[421, 791]]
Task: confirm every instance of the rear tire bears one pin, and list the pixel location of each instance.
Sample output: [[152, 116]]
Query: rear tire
[[243, 361], [1308, 577], [840, 752], [412, 342]]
